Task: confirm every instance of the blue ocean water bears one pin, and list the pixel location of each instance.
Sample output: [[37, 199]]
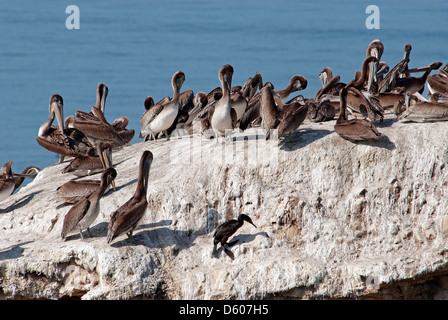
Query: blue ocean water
[[135, 46]]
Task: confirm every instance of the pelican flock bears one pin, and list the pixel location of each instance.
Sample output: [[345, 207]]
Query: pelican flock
[[88, 139]]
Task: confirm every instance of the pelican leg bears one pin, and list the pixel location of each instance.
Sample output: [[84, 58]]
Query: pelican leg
[[214, 252], [166, 135], [407, 100], [130, 236], [88, 231], [80, 233]]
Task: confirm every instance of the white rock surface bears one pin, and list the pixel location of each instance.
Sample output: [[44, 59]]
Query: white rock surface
[[334, 220]]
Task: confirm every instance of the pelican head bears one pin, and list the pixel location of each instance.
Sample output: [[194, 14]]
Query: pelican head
[[56, 109], [101, 94], [298, 83], [178, 80], [225, 76]]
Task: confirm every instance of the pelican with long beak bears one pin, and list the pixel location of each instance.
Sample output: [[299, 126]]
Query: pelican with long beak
[[57, 139], [127, 217], [81, 216], [160, 117]]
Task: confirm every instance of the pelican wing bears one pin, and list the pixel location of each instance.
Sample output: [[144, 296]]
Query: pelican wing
[[74, 216], [357, 130]]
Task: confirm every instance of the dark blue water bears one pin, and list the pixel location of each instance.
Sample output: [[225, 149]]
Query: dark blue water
[[135, 47]]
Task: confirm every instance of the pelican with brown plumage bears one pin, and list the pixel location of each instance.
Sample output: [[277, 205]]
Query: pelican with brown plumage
[[91, 163], [389, 81], [29, 172], [374, 49], [222, 116], [285, 118], [224, 231], [65, 142], [356, 129], [412, 85], [254, 109], [7, 182], [81, 216], [127, 217], [160, 117], [425, 111]]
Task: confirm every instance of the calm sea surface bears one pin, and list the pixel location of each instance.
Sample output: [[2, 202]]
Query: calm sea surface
[[135, 47]]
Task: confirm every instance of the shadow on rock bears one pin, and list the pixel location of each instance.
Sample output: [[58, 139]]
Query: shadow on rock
[[13, 252], [236, 241], [20, 203], [301, 138]]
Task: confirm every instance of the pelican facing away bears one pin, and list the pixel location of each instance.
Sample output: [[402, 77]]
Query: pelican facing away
[[126, 218], [224, 231], [356, 129], [85, 211], [86, 165]]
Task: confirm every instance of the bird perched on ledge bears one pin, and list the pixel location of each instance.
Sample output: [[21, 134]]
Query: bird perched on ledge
[[224, 231]]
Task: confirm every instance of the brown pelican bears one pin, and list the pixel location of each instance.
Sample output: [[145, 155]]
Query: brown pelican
[[86, 210], [320, 111], [390, 79], [75, 190], [363, 103], [286, 118], [224, 231], [362, 79], [296, 83], [374, 49], [331, 85], [413, 85], [96, 128], [7, 183], [29, 172], [66, 142], [252, 84], [90, 163], [101, 94], [253, 111], [222, 116], [118, 125], [438, 83], [126, 218], [356, 129], [186, 117], [425, 112], [160, 117]]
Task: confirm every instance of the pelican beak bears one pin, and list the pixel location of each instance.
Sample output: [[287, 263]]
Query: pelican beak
[[106, 159], [56, 108], [227, 81], [103, 98]]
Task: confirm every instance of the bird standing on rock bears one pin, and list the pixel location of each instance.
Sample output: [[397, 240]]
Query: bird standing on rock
[[224, 231]]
